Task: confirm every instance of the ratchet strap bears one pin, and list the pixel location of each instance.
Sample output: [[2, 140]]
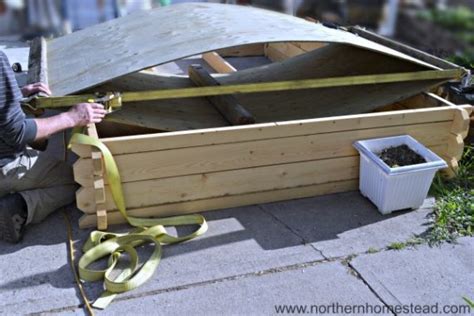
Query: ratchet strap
[[147, 231], [114, 100]]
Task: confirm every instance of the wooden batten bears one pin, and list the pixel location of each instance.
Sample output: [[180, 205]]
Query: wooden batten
[[98, 191], [242, 51], [240, 181], [38, 62], [281, 51], [232, 156], [219, 64], [227, 135], [89, 220]]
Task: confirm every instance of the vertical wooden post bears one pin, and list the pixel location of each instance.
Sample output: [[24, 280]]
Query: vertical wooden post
[[99, 185]]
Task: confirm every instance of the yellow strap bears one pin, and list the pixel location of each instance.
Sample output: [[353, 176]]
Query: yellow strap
[[291, 85], [148, 231]]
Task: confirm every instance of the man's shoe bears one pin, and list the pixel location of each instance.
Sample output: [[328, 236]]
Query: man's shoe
[[13, 215]]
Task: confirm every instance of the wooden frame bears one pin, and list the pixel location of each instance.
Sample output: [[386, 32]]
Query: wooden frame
[[192, 171]]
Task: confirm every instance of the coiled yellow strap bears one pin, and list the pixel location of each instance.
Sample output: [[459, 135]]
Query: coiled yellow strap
[[148, 231]]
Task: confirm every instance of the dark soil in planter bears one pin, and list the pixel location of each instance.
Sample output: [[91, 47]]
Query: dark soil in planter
[[400, 156]]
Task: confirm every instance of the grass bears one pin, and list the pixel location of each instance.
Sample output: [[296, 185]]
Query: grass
[[372, 250], [454, 19], [454, 209], [396, 246]]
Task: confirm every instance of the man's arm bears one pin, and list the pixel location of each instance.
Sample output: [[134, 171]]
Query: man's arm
[[79, 115]]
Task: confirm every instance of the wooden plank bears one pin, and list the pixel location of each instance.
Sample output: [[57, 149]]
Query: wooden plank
[[242, 51], [227, 202], [212, 158], [37, 61], [273, 54], [134, 40], [309, 46], [235, 182], [282, 51], [227, 105], [228, 135], [218, 63]]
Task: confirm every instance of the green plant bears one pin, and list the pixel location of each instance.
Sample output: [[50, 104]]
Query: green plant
[[454, 210], [455, 19], [372, 250], [396, 246], [469, 302], [465, 59]]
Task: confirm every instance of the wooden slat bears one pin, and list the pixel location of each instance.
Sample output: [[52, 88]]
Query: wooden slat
[[242, 51], [227, 202], [281, 51], [235, 182], [98, 190], [218, 63], [37, 61], [212, 158], [227, 135], [309, 46]]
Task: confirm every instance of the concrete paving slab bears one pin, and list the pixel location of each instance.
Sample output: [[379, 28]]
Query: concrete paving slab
[[322, 284], [424, 275], [239, 241], [347, 223], [35, 274]]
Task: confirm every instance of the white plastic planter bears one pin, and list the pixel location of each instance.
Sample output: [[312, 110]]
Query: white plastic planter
[[392, 189]]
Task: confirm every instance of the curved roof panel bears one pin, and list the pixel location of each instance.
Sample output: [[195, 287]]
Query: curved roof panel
[[142, 40]]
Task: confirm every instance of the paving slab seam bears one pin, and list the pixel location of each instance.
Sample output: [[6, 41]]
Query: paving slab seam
[[359, 276], [57, 310], [226, 279], [197, 284], [304, 241]]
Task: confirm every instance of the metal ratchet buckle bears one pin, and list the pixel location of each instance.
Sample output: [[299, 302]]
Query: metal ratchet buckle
[[111, 100]]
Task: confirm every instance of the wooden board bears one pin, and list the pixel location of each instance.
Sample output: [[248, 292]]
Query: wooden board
[[213, 158], [210, 185], [228, 135], [114, 217], [145, 39]]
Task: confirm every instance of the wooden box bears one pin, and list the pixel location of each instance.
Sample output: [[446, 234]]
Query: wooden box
[[301, 146], [192, 171]]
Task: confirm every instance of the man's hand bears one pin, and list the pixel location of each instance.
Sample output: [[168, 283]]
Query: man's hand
[[35, 88], [83, 114]]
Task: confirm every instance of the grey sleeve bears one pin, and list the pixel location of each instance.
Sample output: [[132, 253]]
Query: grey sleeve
[[15, 129]]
